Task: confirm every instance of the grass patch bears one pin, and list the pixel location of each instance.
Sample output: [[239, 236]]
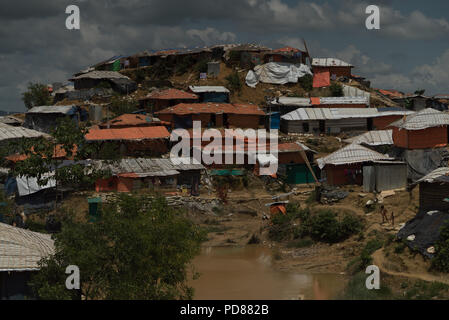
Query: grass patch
[[356, 290], [360, 263], [300, 243]]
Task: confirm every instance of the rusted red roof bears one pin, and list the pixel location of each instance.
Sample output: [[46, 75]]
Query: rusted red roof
[[289, 147], [391, 93], [133, 120], [165, 52], [171, 94], [195, 108], [136, 133], [287, 49], [58, 153]]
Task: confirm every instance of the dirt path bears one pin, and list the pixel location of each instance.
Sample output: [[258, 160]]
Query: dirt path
[[379, 260]]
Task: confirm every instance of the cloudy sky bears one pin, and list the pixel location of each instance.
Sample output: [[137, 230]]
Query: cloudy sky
[[409, 52]]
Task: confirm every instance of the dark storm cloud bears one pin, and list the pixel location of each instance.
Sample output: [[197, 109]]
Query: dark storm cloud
[[22, 9], [36, 46]]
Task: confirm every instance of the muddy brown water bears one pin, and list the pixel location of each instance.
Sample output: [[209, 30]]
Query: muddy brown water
[[247, 273]]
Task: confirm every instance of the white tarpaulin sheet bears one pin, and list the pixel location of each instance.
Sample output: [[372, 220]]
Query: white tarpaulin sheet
[[28, 185], [276, 73]]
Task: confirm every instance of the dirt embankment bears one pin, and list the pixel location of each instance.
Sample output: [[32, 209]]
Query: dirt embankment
[[241, 222]]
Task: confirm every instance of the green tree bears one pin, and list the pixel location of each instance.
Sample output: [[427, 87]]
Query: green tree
[[36, 95], [40, 157], [140, 248], [420, 92]]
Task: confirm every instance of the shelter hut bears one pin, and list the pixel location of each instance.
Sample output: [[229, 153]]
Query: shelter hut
[[160, 100], [20, 252], [346, 165], [427, 128]]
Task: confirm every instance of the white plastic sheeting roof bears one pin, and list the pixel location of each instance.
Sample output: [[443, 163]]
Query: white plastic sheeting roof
[[21, 250], [373, 138], [353, 153], [292, 101], [203, 89], [329, 62], [426, 118]]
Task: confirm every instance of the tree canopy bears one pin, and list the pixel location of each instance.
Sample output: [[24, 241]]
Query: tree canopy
[[140, 248], [37, 94], [44, 156]]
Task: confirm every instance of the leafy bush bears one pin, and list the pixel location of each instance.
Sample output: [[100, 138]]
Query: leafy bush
[[325, 227], [201, 66], [400, 247], [185, 64], [234, 56], [336, 90], [440, 262], [282, 227], [234, 81], [306, 82], [361, 262]]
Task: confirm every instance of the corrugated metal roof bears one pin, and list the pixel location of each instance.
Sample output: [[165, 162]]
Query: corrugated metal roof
[[436, 175], [441, 96], [305, 114], [151, 167], [10, 132], [292, 101], [10, 120], [53, 109], [329, 62], [353, 153], [133, 133], [426, 118], [344, 100], [203, 89], [21, 250], [100, 75], [373, 138]]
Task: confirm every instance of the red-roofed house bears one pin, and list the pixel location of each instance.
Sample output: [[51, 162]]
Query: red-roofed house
[[131, 141], [286, 54], [213, 115], [166, 98], [129, 120]]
